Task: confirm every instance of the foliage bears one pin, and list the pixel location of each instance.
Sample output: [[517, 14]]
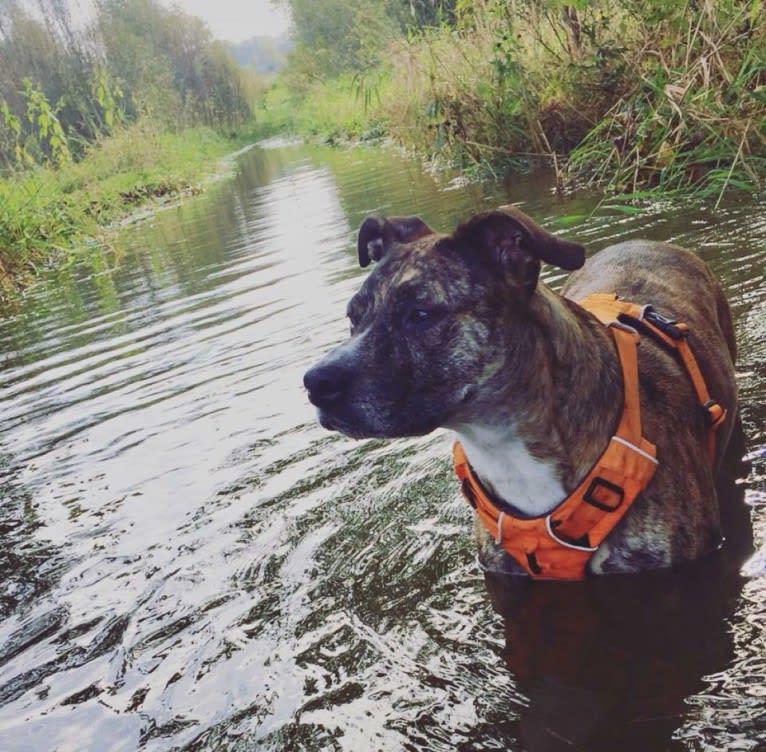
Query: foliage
[[694, 117], [62, 88], [335, 36], [415, 15], [43, 66], [512, 83], [168, 64], [336, 110], [44, 122], [631, 94], [44, 212]]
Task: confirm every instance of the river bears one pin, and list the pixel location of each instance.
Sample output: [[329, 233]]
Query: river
[[189, 562]]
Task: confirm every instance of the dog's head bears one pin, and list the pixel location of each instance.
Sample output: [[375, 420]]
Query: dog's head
[[438, 319]]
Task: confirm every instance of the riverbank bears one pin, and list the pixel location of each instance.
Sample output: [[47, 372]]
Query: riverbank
[[47, 214], [630, 97]]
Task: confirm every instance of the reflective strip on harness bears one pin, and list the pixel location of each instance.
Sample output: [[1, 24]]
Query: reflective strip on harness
[[560, 544]]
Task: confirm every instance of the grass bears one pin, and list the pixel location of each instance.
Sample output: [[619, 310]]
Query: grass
[[627, 95], [333, 110], [47, 213], [693, 120]]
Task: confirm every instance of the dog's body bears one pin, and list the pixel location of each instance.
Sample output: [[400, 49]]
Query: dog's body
[[456, 331]]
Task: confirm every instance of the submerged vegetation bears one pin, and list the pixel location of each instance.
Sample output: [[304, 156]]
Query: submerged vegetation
[[631, 95]]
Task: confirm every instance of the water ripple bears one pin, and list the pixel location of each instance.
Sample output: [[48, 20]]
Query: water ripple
[[191, 563]]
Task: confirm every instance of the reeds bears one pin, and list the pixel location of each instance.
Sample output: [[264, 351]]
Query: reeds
[[694, 119], [629, 95], [514, 84]]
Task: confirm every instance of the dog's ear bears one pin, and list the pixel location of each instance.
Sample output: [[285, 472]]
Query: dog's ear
[[377, 235], [517, 244]]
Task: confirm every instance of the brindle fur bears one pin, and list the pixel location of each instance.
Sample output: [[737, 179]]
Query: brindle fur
[[499, 348]]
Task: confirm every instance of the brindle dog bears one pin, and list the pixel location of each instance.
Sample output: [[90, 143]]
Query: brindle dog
[[457, 331]]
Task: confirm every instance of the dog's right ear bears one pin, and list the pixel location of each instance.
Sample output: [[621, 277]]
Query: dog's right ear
[[377, 235], [511, 241]]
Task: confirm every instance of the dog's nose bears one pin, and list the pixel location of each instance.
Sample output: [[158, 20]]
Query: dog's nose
[[326, 384]]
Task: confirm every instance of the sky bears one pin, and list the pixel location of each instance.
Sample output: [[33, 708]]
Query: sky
[[237, 20], [230, 20]]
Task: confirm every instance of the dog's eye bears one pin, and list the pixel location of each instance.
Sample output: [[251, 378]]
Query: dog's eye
[[419, 318]]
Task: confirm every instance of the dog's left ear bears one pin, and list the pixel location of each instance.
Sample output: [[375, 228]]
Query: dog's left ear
[[509, 238], [377, 235]]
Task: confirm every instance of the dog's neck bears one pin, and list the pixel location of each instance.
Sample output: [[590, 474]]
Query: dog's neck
[[502, 460], [539, 438]]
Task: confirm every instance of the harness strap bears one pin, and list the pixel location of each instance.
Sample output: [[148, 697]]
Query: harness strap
[[675, 336], [560, 544]]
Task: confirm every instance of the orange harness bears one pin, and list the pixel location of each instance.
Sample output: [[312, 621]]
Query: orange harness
[[559, 545]]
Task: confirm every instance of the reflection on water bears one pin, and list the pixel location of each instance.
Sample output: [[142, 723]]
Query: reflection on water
[[190, 562], [609, 663]]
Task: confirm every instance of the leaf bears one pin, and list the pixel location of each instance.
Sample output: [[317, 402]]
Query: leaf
[[569, 220]]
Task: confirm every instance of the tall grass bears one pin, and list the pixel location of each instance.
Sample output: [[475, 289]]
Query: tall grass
[[46, 212], [512, 84], [631, 95], [694, 118]]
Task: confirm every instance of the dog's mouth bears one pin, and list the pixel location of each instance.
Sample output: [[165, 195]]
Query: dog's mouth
[[332, 422], [329, 422], [359, 422], [359, 428]]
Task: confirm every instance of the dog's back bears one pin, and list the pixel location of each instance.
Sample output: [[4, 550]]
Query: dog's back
[[681, 287], [675, 280]]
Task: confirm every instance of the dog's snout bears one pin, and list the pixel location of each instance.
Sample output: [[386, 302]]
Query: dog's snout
[[327, 384]]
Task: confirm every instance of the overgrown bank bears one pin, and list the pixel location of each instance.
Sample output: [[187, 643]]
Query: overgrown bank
[[632, 95], [48, 213], [629, 95], [97, 118]]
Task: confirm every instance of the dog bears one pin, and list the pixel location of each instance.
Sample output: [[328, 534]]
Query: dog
[[457, 331]]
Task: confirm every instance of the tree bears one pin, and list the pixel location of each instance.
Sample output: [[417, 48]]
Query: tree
[[62, 87]]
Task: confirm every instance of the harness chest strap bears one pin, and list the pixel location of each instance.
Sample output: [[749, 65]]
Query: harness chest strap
[[560, 544]]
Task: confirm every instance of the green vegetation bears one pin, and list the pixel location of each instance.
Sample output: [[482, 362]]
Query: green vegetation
[[631, 95], [641, 97], [137, 106], [62, 89], [47, 212]]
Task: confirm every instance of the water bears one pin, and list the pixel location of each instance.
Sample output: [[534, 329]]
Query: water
[[189, 562]]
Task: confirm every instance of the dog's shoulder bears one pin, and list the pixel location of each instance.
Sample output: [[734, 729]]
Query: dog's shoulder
[[640, 269]]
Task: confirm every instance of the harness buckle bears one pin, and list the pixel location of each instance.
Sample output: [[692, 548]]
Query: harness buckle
[[715, 413], [604, 495], [667, 326]]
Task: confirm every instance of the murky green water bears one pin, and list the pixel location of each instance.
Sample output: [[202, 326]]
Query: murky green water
[[189, 562]]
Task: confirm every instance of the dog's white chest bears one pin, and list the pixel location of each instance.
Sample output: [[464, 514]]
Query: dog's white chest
[[502, 461]]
